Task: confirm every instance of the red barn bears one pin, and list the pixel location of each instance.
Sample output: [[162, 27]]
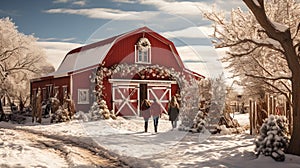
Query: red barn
[[125, 69]]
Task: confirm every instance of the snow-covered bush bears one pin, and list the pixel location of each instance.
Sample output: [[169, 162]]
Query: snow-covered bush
[[273, 139], [100, 111], [60, 115], [199, 122], [226, 131], [94, 112], [81, 116]]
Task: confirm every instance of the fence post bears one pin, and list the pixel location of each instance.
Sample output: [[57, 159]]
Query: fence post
[[291, 114], [268, 104], [250, 116], [272, 105], [284, 106], [255, 117]]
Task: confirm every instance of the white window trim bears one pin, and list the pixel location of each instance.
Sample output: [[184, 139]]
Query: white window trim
[[83, 100], [64, 89], [136, 51]]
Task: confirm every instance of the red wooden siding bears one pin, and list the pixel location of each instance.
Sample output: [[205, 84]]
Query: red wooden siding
[[124, 52], [55, 82], [82, 80]]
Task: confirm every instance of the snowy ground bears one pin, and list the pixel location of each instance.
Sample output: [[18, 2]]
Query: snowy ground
[[167, 148]]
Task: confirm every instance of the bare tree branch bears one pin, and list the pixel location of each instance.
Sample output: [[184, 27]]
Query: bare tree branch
[[268, 78], [4, 55], [269, 45], [297, 31], [283, 37], [244, 53], [279, 90]]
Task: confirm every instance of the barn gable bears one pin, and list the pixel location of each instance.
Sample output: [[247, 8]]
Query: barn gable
[[92, 55], [141, 47]]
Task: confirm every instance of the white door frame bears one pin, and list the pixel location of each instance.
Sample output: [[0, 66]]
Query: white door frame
[[125, 100], [117, 84], [151, 90]]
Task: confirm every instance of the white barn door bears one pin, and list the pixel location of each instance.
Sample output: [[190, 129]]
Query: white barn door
[[161, 93], [125, 99]]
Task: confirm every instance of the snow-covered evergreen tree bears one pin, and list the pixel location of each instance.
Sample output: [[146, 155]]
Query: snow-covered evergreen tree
[[273, 139], [100, 111], [199, 122]]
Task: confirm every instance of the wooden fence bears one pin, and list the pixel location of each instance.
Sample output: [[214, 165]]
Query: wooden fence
[[271, 105]]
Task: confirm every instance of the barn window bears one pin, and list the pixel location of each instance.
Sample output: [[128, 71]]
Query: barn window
[[44, 94], [65, 89], [48, 91], [56, 91], [34, 92], [83, 96], [143, 51]]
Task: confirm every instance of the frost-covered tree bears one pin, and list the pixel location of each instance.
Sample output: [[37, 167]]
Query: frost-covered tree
[[212, 101], [217, 100], [252, 55], [263, 50], [20, 60], [285, 35], [190, 99], [205, 91]]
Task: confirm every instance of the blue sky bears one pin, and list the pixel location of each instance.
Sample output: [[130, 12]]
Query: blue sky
[[61, 25]]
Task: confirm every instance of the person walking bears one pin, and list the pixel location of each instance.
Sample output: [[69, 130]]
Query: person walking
[[155, 112], [145, 107], [173, 111]]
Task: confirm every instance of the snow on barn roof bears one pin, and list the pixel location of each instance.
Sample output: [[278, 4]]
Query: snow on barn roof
[[86, 56], [90, 56], [83, 59]]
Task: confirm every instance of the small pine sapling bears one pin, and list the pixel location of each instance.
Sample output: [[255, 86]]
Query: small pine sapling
[[273, 139]]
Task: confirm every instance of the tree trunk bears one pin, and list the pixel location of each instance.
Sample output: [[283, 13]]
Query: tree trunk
[[294, 146], [284, 38]]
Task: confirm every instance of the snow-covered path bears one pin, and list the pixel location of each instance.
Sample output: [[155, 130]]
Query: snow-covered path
[[30, 148], [133, 143], [170, 149]]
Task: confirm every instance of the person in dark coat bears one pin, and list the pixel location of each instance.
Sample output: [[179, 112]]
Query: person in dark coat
[[145, 110], [155, 112], [173, 111]]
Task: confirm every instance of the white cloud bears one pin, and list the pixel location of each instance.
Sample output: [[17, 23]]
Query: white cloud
[[125, 1], [207, 30], [201, 59], [104, 13], [193, 8], [57, 39], [190, 32], [10, 12], [56, 51], [60, 1], [180, 8], [80, 3]]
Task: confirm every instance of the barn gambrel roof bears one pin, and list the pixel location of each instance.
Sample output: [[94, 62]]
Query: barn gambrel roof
[[90, 56]]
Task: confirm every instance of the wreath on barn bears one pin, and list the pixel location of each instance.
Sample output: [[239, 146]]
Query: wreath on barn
[[143, 44]]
